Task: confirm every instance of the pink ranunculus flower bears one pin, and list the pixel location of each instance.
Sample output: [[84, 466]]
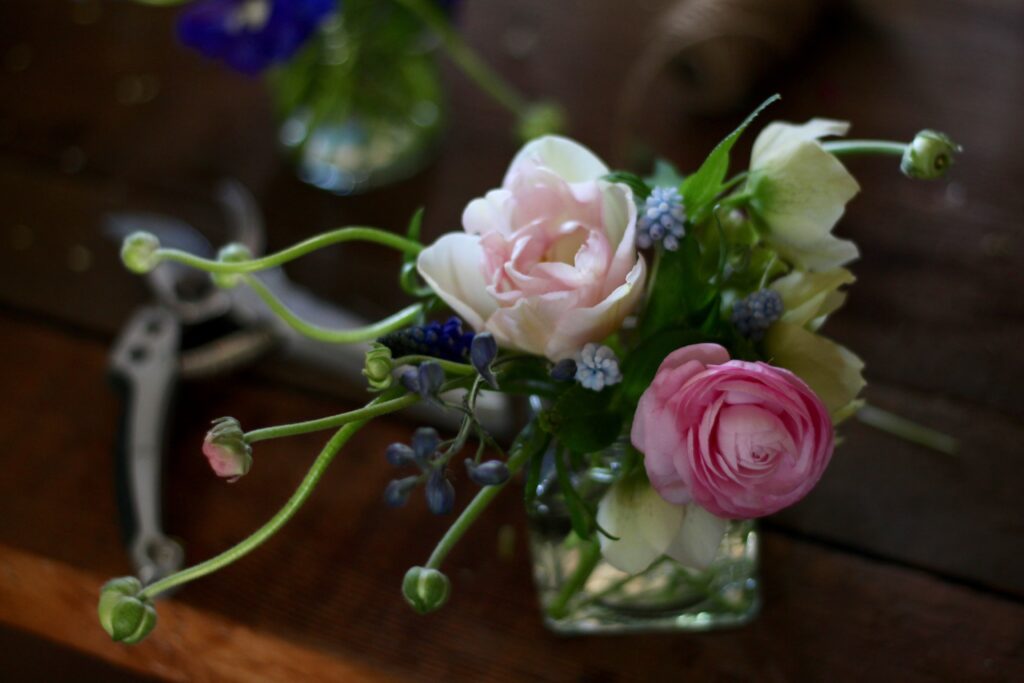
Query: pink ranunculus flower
[[740, 439], [547, 262]]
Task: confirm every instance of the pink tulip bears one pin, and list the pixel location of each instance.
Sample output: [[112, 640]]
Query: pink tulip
[[547, 262]]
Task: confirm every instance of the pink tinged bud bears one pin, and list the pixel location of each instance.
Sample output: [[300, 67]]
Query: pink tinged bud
[[225, 448]]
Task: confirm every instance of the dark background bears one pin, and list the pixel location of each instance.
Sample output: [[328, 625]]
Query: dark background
[[903, 565]]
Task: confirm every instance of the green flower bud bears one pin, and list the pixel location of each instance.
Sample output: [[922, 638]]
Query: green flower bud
[[225, 447], [928, 156], [544, 118], [425, 589], [231, 253], [138, 252], [124, 615], [378, 368]]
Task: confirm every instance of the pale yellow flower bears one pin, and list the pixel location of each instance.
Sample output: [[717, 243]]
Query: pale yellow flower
[[831, 370]]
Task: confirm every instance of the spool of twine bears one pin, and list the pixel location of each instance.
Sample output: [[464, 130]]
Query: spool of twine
[[711, 53]]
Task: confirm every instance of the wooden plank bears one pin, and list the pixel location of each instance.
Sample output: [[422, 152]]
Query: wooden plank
[[936, 314], [325, 592], [57, 602]]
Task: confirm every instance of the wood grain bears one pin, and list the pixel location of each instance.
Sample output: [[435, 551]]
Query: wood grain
[[56, 602], [328, 584], [936, 313]]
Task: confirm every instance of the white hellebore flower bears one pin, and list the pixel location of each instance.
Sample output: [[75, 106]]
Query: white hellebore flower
[[800, 192], [547, 262], [648, 527], [831, 370]]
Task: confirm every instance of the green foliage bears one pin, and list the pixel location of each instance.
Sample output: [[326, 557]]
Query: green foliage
[[527, 375], [665, 175], [641, 190], [640, 367], [584, 421], [685, 286], [701, 188], [581, 517]]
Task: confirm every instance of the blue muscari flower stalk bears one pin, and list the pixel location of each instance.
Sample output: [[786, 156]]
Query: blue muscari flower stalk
[[487, 473], [423, 454], [425, 380], [564, 370], [597, 367], [482, 353], [445, 340], [754, 314], [250, 35], [440, 493], [662, 219]]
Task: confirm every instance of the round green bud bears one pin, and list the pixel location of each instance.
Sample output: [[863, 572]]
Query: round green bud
[[231, 253], [225, 447], [543, 118], [138, 252], [378, 368], [928, 156], [124, 614], [425, 589]]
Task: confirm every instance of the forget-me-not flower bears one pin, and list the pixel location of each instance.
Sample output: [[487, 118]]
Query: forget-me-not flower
[[597, 367]]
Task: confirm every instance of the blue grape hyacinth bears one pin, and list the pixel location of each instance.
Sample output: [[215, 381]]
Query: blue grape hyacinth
[[662, 219], [445, 340], [754, 314], [250, 35]]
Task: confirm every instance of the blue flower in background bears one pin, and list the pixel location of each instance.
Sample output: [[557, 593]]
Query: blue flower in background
[[250, 35]]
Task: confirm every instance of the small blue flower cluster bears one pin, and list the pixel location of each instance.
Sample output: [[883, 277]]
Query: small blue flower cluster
[[424, 453], [754, 314], [597, 367], [662, 219], [441, 340], [250, 35]]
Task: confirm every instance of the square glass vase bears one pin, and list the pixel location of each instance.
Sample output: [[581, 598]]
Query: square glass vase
[[580, 593]]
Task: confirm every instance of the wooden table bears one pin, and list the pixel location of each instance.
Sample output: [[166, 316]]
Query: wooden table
[[903, 565]]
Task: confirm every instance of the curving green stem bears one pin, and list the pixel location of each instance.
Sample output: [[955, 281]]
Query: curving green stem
[[861, 147], [448, 366], [352, 234], [334, 421], [907, 429], [466, 59], [480, 502], [402, 318], [590, 555], [296, 501], [388, 402]]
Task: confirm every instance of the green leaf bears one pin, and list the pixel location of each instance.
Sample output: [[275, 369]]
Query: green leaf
[[665, 175], [415, 225], [533, 476], [581, 518], [701, 188], [683, 288], [640, 367], [641, 190], [583, 420], [529, 376]]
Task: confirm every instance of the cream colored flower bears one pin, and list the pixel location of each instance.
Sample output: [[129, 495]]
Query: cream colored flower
[[648, 527], [547, 262], [831, 370], [800, 191]]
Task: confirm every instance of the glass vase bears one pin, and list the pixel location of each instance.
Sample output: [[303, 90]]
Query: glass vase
[[362, 105], [582, 594]]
